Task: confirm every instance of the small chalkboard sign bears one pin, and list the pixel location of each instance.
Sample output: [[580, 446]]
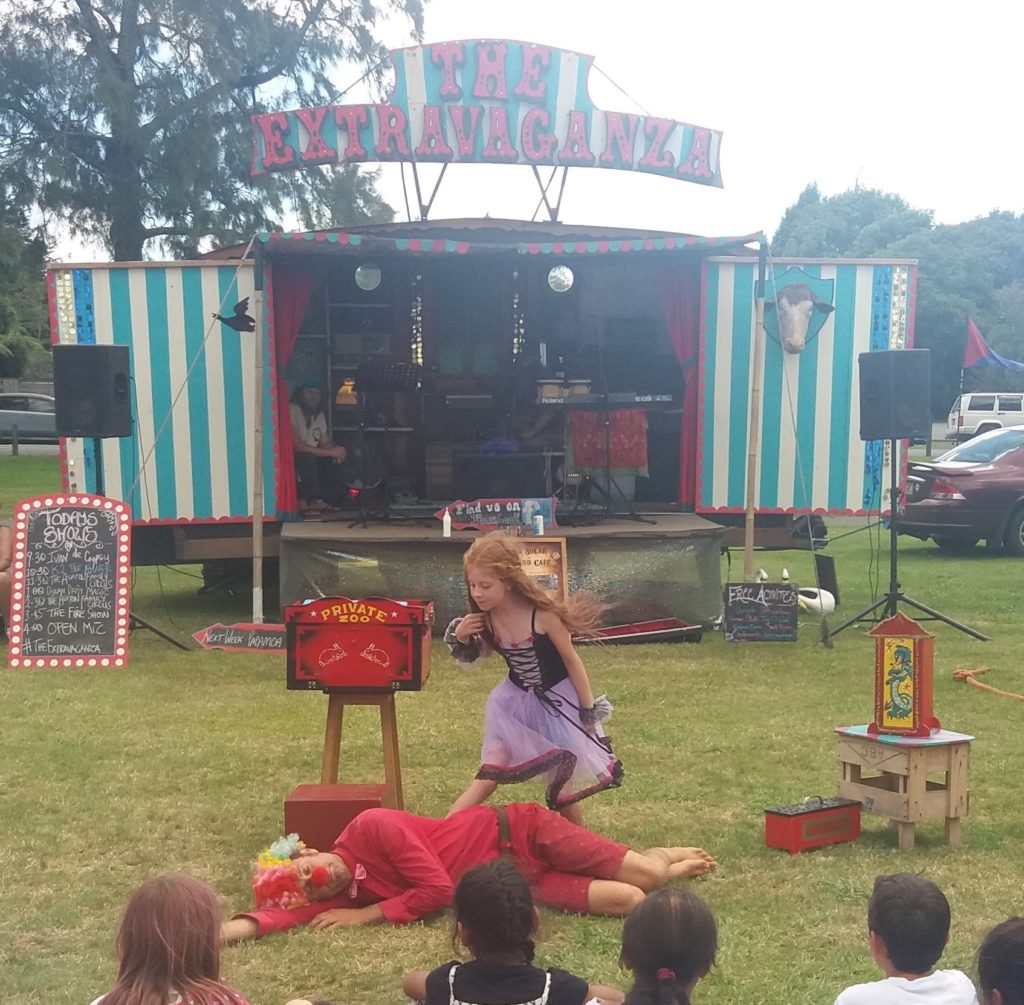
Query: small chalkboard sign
[[761, 612], [69, 595]]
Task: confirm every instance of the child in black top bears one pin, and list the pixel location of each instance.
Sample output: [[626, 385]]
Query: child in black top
[[495, 920]]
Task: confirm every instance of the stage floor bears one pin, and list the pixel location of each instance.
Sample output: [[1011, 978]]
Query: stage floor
[[641, 571], [668, 525]]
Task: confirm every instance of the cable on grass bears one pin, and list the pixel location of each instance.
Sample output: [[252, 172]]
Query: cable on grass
[[970, 676]]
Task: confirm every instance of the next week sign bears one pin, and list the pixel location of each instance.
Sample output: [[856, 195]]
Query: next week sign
[[492, 101]]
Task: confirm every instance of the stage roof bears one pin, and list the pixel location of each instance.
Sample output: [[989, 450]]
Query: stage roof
[[489, 236]]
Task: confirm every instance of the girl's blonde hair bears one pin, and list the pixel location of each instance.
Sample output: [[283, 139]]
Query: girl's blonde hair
[[500, 556]]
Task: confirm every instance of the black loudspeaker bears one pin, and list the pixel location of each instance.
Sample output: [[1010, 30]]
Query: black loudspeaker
[[895, 394], [92, 390]]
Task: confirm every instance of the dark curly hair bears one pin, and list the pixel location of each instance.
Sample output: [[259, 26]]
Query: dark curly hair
[[494, 906]]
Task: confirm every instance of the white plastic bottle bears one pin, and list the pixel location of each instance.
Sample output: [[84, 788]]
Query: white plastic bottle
[[446, 524]]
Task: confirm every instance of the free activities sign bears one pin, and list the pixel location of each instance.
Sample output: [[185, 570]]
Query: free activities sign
[[491, 101]]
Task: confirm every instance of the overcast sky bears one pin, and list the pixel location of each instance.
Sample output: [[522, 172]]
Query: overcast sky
[[921, 99]]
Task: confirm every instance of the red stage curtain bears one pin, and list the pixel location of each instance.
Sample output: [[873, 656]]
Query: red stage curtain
[[289, 287], [680, 298]]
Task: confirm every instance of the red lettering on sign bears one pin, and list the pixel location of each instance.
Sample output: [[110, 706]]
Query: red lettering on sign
[[391, 123], [620, 142], [351, 118], [466, 142], [490, 71], [316, 149], [657, 131], [695, 162], [537, 145], [499, 143], [276, 153], [433, 143], [576, 149], [532, 86], [449, 55]]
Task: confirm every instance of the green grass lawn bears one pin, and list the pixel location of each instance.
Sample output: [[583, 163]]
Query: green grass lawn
[[182, 762]]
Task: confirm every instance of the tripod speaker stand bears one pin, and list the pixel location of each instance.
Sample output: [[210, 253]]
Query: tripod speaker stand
[[895, 388]]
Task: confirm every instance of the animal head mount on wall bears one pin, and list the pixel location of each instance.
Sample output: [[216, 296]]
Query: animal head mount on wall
[[800, 309]]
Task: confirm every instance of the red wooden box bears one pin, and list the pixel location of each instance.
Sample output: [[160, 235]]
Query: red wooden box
[[812, 824], [319, 813], [337, 644]]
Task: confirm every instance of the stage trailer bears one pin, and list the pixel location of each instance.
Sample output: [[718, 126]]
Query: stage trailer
[[466, 302]]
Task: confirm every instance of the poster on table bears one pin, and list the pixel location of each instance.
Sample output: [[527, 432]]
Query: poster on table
[[544, 561], [71, 583]]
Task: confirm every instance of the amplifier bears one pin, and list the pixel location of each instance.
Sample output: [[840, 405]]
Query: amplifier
[[811, 824], [375, 644]]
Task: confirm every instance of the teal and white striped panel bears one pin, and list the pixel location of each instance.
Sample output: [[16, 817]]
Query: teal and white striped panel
[[190, 458], [811, 454]]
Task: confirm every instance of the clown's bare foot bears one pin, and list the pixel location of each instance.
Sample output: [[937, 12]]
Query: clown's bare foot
[[700, 864]]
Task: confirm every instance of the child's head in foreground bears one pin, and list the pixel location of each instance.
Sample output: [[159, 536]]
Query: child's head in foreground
[[494, 911], [1001, 964], [169, 943], [908, 922], [669, 942]]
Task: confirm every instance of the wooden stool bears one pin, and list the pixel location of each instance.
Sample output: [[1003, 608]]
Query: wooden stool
[[385, 701], [902, 790]]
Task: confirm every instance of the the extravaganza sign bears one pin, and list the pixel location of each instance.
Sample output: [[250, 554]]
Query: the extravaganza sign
[[498, 102]]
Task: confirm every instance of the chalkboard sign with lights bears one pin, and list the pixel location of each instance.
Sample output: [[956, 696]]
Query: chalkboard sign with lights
[[69, 594]]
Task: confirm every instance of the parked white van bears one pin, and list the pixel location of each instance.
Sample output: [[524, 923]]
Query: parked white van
[[980, 411]]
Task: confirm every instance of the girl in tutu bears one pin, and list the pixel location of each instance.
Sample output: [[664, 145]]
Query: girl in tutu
[[542, 719]]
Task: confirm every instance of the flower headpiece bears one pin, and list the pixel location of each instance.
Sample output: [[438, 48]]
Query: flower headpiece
[[276, 881]]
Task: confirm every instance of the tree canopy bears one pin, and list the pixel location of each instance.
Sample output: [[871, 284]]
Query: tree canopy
[[971, 269], [128, 119], [24, 325]]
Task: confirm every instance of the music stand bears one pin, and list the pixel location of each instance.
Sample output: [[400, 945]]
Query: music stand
[[389, 377], [605, 406]]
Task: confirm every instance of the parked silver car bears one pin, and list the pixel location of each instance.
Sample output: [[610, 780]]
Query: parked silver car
[[32, 414]]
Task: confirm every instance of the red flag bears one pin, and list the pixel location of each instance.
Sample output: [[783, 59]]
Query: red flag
[[976, 350]]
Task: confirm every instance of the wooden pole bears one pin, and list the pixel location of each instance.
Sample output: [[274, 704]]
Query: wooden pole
[[257, 437], [754, 432]]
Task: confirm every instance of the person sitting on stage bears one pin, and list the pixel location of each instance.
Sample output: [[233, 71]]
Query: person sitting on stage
[[496, 921], [908, 927], [316, 457], [1001, 964], [390, 865]]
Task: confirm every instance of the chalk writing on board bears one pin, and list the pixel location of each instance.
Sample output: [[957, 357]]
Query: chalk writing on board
[[242, 638], [761, 612], [71, 581]]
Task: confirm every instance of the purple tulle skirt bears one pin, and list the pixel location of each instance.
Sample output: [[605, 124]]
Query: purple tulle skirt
[[526, 735]]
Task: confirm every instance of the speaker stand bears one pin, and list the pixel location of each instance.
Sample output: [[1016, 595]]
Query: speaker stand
[[134, 621], [889, 602]]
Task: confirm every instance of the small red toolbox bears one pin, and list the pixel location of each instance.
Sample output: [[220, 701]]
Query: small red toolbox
[[319, 813], [811, 824]]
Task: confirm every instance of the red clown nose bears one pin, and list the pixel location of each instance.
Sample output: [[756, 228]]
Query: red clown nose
[[320, 876]]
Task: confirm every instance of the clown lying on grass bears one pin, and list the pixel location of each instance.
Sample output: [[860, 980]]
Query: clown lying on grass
[[394, 866]]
